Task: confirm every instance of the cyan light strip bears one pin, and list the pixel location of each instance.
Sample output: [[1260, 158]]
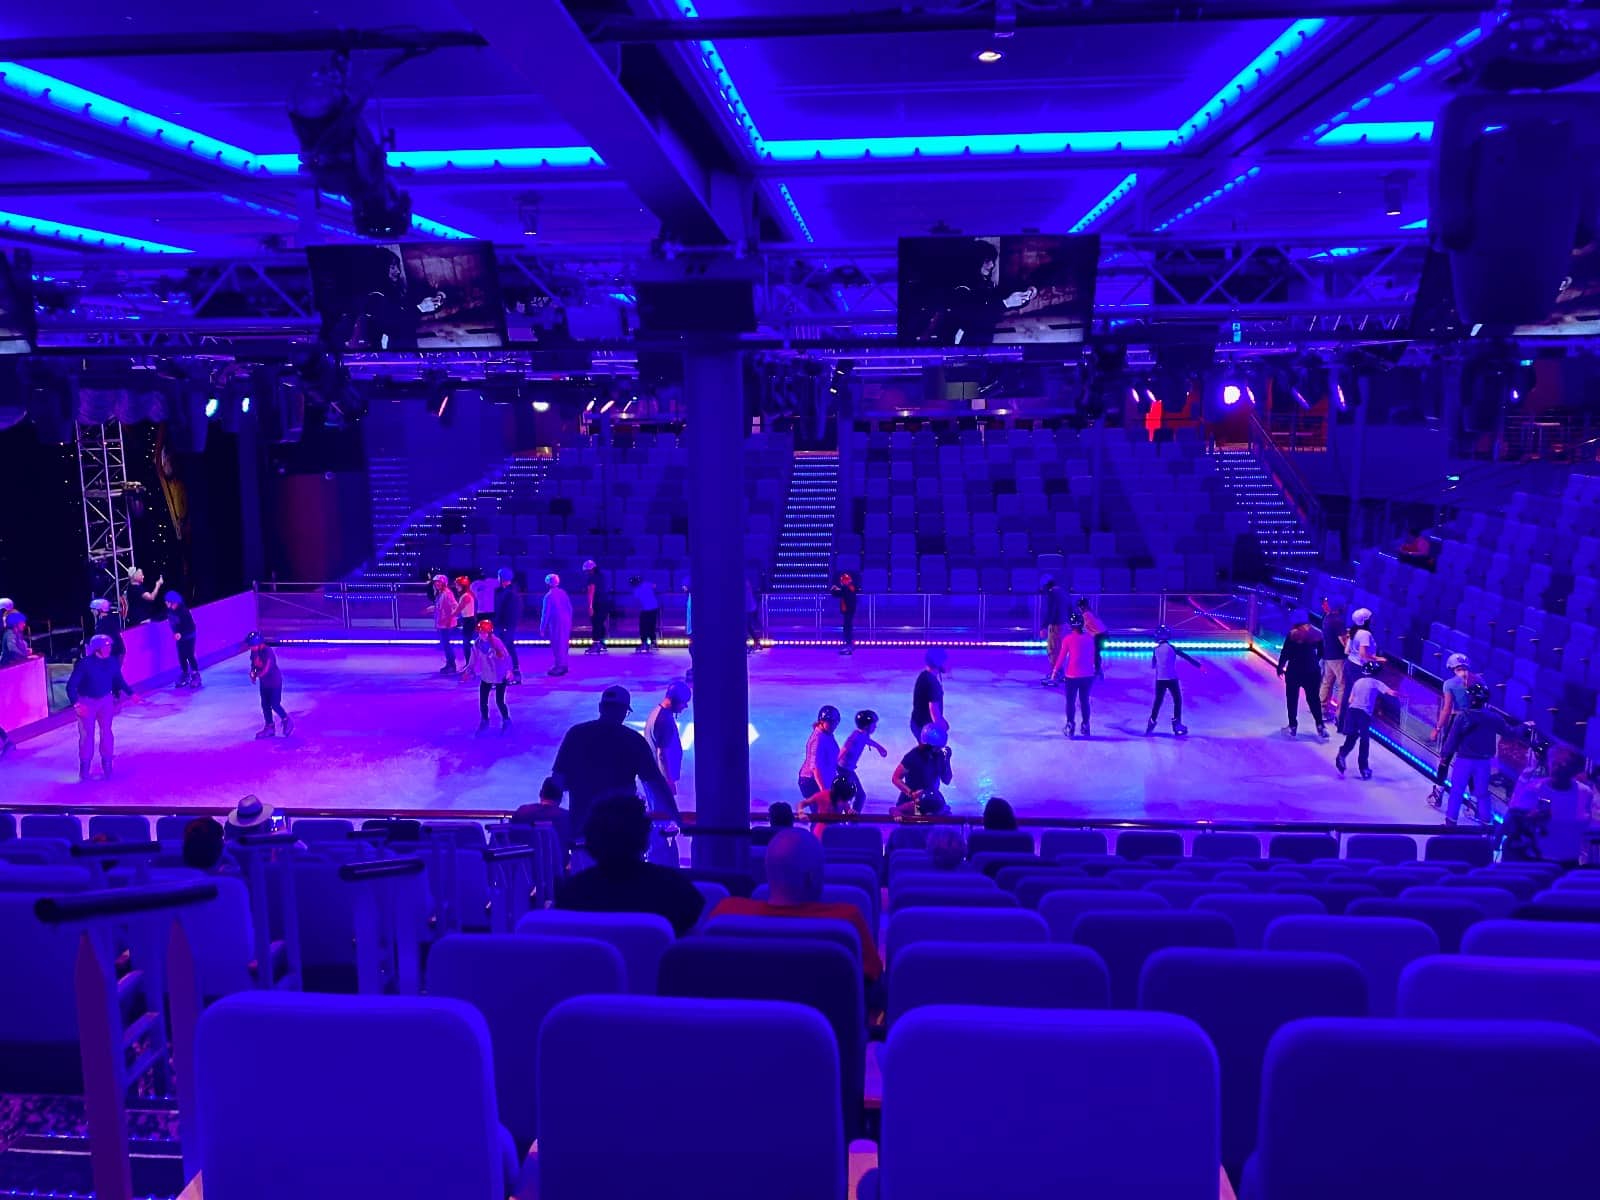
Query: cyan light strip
[[967, 145], [1255, 73], [517, 158], [1129, 182], [1236, 182], [1438, 58], [60, 231], [1377, 133]]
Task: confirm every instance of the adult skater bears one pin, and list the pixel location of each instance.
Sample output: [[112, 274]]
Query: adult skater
[[1076, 664], [848, 594], [1164, 658], [466, 619], [92, 689], [1333, 639], [443, 609], [663, 730], [268, 678], [927, 694], [598, 758], [858, 743], [1359, 716], [15, 645], [921, 774], [1300, 667], [1053, 616], [648, 603], [1474, 739], [508, 616], [1361, 648], [555, 622], [599, 598], [109, 624], [181, 622], [142, 603], [490, 664], [821, 763], [1453, 702]]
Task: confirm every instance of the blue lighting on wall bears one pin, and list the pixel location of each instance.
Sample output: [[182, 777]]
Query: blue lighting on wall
[[1377, 133], [1236, 182], [1438, 58], [1252, 76], [1129, 182], [61, 232]]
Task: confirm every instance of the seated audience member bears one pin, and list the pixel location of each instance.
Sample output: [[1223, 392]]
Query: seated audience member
[[1417, 549], [1557, 811], [998, 815], [202, 844], [249, 817], [946, 850], [547, 811], [794, 885], [617, 836], [780, 815]]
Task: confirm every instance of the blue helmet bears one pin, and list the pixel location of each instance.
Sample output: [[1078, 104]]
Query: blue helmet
[[175, 598]]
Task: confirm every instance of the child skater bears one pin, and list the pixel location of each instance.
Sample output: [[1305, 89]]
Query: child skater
[[859, 741], [490, 661], [266, 675], [1164, 658], [821, 765]]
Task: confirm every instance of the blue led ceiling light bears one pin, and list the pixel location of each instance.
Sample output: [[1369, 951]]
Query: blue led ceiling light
[[1255, 73], [1377, 133], [519, 158], [1129, 182], [1320, 135], [1237, 181], [960, 146], [61, 232]]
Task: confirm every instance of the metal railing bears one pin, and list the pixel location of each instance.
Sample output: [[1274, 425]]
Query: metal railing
[[1288, 478]]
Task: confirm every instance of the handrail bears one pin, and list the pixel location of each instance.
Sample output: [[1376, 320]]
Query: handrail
[[386, 868], [150, 849], [496, 854], [118, 902], [1288, 476]]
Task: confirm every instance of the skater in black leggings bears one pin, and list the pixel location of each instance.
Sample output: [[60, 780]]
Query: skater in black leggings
[[1300, 667], [183, 632], [491, 663], [268, 677]]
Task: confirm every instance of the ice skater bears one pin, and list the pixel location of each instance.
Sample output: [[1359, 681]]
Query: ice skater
[[1053, 616], [821, 764], [1359, 715], [140, 603], [663, 729], [443, 609], [109, 624], [268, 678], [1300, 667], [491, 665], [649, 606], [15, 645], [927, 694], [921, 774], [93, 688], [1075, 663], [1361, 648], [1164, 658], [466, 619], [1333, 639], [1474, 740], [858, 743], [181, 621], [599, 597], [555, 622], [507, 616], [846, 591]]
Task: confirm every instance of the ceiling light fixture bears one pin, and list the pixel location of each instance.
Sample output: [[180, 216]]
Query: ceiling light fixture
[[990, 55]]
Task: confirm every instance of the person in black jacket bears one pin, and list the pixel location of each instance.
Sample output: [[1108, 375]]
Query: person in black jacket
[[1053, 616], [848, 594], [109, 624], [183, 632], [93, 688], [507, 616], [1300, 667]]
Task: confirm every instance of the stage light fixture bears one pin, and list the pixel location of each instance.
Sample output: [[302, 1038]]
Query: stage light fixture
[[244, 405], [989, 55], [1232, 393], [211, 407], [541, 406]]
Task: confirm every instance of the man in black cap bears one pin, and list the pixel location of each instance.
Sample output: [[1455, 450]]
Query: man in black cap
[[601, 757]]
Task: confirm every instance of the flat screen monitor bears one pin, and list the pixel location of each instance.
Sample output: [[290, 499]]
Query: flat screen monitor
[[18, 328], [409, 295], [1010, 290], [1576, 311]]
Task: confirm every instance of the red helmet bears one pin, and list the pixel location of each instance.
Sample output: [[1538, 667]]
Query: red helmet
[[486, 626], [463, 581]]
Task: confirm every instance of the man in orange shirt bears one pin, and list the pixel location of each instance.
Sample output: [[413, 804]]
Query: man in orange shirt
[[794, 887]]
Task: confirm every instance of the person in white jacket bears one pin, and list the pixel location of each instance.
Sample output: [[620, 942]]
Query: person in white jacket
[[555, 622], [491, 663]]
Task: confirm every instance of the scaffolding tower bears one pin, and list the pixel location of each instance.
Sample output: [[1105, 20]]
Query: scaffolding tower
[[107, 529]]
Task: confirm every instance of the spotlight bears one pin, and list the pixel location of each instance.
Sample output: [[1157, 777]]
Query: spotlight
[[211, 407], [988, 56], [1232, 393], [244, 405], [541, 406]]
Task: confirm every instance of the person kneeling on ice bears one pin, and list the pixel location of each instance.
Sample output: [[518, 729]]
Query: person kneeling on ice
[[1164, 658], [920, 775], [490, 661], [1359, 715], [266, 675]]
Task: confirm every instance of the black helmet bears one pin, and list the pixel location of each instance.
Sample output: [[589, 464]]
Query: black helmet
[[1477, 694], [255, 639], [843, 789], [1075, 619], [1372, 668], [828, 713], [866, 719]]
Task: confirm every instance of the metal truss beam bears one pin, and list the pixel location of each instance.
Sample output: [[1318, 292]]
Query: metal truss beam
[[107, 530]]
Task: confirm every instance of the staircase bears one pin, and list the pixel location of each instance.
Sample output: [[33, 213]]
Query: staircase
[[1289, 550], [389, 487], [400, 559], [805, 542]]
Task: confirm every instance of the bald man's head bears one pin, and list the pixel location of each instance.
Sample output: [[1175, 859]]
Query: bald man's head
[[794, 869]]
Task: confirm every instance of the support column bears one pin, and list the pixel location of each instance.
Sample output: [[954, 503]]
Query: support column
[[714, 427]]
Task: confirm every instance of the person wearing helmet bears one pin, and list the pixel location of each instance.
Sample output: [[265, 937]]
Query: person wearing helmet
[[555, 622], [1078, 663], [599, 600], [466, 620], [1473, 742], [848, 593], [648, 602], [663, 730], [859, 741], [921, 774], [92, 689], [181, 621], [1361, 648], [1359, 716], [443, 609], [1333, 648], [490, 664], [927, 694], [268, 678], [1300, 667], [1053, 616], [109, 624], [507, 608], [1458, 676], [1164, 658], [15, 645], [821, 763]]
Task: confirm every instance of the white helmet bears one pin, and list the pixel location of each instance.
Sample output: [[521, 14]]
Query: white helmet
[[6, 604], [440, 581], [100, 605], [1361, 616], [588, 564], [1456, 662], [552, 580]]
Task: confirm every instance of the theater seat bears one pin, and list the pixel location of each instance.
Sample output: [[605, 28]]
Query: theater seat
[[1251, 914], [1124, 940], [1532, 939], [1380, 946], [1446, 985], [915, 925], [997, 975], [641, 938]]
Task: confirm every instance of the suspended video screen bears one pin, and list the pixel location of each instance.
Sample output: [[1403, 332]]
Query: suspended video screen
[[18, 329], [409, 295], [1015, 289], [1575, 311]]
